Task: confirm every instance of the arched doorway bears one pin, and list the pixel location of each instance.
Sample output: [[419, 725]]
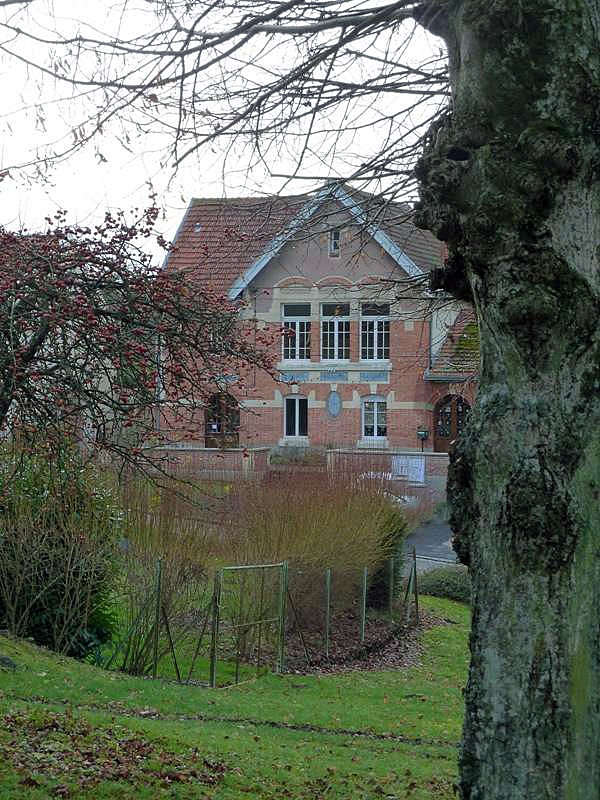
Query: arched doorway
[[222, 421], [450, 415]]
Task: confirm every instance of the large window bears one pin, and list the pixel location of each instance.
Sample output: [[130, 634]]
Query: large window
[[296, 416], [296, 333], [375, 332], [374, 418], [335, 332]]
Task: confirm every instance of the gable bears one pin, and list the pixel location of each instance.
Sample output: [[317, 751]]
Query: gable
[[315, 215], [228, 243], [305, 260]]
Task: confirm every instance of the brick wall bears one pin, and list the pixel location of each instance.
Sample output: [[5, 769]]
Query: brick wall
[[380, 464], [405, 391], [407, 394], [218, 465]]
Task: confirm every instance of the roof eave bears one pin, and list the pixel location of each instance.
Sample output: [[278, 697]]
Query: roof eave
[[277, 243], [450, 377]]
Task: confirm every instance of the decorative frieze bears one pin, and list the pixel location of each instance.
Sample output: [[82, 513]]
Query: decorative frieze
[[374, 377], [333, 376], [295, 377]]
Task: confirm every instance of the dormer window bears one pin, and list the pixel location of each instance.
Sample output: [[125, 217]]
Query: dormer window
[[334, 244]]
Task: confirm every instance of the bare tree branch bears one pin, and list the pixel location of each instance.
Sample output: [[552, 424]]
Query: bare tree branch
[[271, 81]]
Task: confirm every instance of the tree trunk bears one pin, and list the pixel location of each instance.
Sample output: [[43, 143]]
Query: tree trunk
[[511, 179]]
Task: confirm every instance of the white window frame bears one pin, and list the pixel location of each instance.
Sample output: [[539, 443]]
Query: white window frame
[[295, 398], [381, 327], [336, 319], [334, 243], [294, 322], [377, 400]]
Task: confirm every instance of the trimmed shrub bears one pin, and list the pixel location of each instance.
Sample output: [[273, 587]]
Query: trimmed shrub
[[452, 582], [58, 524]]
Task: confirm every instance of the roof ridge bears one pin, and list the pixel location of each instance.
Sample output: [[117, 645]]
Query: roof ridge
[[403, 205], [252, 198]]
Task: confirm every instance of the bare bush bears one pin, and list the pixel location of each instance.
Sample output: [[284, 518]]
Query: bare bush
[[161, 524], [57, 532], [314, 521]]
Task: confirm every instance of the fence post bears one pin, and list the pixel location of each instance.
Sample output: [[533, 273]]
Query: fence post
[[391, 586], [283, 590], [214, 634], [158, 591], [239, 637], [327, 609], [171, 645], [415, 585], [260, 624], [406, 601], [363, 610]]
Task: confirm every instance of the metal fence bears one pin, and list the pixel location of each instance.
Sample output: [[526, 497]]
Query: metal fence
[[237, 629], [248, 614]]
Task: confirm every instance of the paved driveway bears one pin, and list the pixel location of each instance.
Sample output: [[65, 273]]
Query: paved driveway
[[432, 542]]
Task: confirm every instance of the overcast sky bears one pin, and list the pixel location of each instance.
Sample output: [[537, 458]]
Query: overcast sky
[[104, 174]]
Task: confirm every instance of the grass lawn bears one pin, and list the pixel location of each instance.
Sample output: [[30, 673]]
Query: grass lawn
[[68, 729]]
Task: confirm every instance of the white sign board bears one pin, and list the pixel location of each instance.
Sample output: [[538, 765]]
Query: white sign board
[[410, 467]]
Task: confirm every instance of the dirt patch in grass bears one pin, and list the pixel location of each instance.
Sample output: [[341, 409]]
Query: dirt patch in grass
[[64, 754], [387, 645]]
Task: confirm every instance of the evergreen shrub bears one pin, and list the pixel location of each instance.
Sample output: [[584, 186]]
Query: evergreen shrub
[[58, 525], [451, 582]]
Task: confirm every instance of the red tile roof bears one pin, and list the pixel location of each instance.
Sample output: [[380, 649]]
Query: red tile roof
[[459, 354], [220, 238], [395, 219]]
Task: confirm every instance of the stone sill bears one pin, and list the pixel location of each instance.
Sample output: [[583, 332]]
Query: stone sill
[[318, 366], [294, 441], [375, 443]]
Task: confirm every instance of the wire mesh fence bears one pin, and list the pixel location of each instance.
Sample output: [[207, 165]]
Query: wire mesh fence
[[247, 620]]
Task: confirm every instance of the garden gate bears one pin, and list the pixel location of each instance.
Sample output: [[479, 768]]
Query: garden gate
[[248, 616]]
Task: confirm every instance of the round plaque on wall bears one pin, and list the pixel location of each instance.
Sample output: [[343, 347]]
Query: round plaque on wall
[[334, 404]]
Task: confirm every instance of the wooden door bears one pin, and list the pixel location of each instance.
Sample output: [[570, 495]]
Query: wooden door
[[450, 416], [222, 422]]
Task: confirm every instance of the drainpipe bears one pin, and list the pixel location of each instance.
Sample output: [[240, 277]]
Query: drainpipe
[[254, 306], [429, 346]]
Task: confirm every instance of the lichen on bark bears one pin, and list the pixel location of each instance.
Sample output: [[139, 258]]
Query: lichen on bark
[[510, 178]]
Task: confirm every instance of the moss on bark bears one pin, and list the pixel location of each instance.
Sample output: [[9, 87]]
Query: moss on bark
[[510, 178]]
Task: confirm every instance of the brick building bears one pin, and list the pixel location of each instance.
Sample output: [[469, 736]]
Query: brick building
[[367, 357]]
